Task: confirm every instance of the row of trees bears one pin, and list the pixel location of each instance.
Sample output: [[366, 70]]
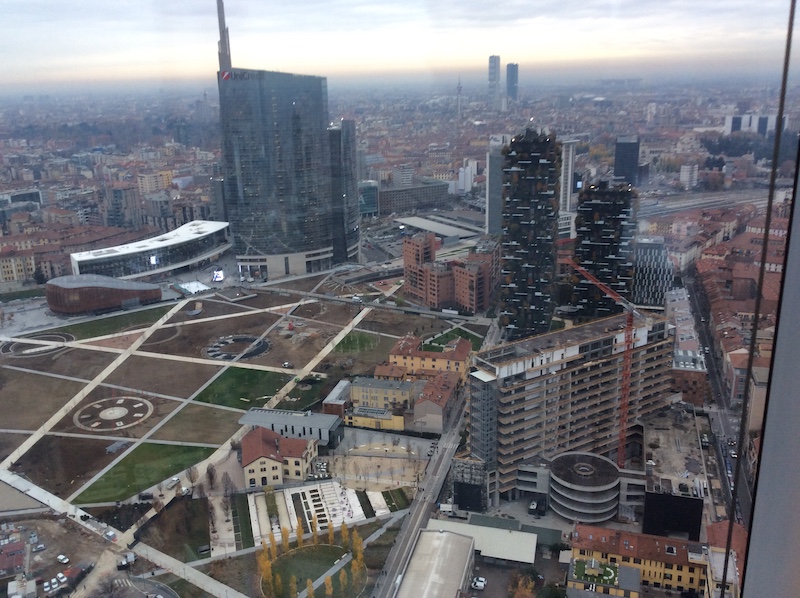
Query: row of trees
[[272, 583]]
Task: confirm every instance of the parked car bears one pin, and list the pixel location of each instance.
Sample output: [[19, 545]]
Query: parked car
[[54, 584], [38, 548], [110, 536], [46, 586], [61, 577], [62, 559]]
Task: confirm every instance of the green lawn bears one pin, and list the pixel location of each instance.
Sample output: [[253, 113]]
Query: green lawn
[[317, 389], [311, 562], [396, 499], [241, 521], [237, 383], [357, 342], [455, 333], [112, 324], [26, 294], [145, 466], [180, 529], [608, 575], [366, 506]]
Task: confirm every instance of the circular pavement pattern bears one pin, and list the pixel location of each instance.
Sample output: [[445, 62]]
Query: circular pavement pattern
[[228, 348], [23, 349], [115, 413]]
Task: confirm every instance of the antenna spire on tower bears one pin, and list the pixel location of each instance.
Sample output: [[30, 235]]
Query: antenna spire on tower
[[224, 42]]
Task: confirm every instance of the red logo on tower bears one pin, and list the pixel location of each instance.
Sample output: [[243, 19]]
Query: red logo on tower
[[226, 75]]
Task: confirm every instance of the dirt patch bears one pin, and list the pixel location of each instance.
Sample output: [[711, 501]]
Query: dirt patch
[[62, 465], [191, 340], [358, 364], [298, 346], [41, 395], [210, 309], [198, 423], [8, 442], [116, 413], [398, 323], [172, 378], [478, 329], [80, 363], [332, 313], [118, 342], [264, 299], [303, 284]]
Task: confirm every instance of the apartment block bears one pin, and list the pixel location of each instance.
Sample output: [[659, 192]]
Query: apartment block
[[420, 364], [560, 391], [384, 394]]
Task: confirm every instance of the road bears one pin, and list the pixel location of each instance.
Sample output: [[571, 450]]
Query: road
[[421, 510], [725, 424]]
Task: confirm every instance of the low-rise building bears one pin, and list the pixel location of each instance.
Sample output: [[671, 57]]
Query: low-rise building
[[269, 459], [420, 364]]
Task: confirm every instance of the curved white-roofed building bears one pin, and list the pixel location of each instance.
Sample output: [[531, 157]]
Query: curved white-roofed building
[[186, 246]]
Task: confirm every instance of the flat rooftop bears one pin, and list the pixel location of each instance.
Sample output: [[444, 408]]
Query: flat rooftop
[[438, 228], [187, 232], [438, 566]]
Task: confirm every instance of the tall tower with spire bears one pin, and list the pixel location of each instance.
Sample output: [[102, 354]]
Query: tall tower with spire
[[277, 188]]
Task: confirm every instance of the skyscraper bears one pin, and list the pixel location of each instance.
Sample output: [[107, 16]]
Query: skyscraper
[[605, 228], [512, 80], [277, 173], [626, 159], [344, 192], [530, 230], [494, 75]]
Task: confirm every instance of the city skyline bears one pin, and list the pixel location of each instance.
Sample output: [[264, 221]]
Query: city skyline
[[355, 41]]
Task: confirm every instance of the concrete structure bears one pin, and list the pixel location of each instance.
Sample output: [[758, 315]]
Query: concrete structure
[[423, 194], [327, 429], [338, 400], [278, 173], [497, 540], [122, 206], [654, 272], [530, 229], [559, 392], [566, 192], [91, 293], [440, 566], [188, 246], [763, 124], [494, 183], [494, 80], [269, 459], [16, 265]]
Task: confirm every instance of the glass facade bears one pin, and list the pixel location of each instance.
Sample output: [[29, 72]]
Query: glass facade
[[346, 214], [154, 260], [276, 163]]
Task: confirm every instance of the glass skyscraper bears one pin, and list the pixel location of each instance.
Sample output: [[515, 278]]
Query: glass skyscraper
[[277, 172]]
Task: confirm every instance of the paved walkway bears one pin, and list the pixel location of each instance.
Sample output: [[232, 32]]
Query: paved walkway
[[320, 581]]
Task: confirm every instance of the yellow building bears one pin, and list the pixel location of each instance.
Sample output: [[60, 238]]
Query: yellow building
[[374, 418], [16, 265], [384, 394], [668, 563], [419, 364], [269, 459]]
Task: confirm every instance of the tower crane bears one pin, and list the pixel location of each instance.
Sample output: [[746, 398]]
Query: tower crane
[[627, 356]]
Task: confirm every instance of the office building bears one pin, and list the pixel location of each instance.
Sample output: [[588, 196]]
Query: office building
[[530, 229], [344, 192], [605, 228], [559, 392], [277, 187], [494, 77], [654, 272], [368, 198], [512, 81], [763, 124], [626, 159]]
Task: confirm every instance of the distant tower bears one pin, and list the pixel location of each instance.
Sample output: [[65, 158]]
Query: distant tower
[[566, 209], [494, 79], [530, 230], [512, 81], [494, 183], [626, 159], [458, 94]]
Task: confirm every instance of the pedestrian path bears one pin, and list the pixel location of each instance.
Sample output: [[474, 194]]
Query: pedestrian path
[[334, 570]]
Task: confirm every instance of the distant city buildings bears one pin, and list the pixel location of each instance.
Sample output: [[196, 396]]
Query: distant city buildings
[[512, 81], [762, 124], [626, 159]]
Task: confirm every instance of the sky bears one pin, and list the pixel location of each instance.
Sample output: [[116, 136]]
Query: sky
[[50, 43]]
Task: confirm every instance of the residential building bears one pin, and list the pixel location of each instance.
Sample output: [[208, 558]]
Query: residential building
[[494, 183], [385, 394], [419, 364], [122, 206], [530, 229], [763, 124], [605, 228], [434, 406], [560, 391], [626, 159], [269, 459], [16, 265], [654, 272]]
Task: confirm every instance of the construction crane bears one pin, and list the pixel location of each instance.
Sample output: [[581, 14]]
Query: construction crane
[[627, 356]]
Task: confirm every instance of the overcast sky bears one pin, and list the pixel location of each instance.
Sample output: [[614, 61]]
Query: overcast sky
[[84, 41]]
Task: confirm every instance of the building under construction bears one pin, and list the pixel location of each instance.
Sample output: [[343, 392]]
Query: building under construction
[[561, 391]]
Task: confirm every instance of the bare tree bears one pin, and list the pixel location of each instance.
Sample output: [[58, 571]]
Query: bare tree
[[212, 514], [200, 492], [226, 507], [211, 475], [158, 505], [192, 475], [160, 487], [227, 484], [108, 588]]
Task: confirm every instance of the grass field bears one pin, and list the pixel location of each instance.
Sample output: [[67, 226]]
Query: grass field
[[396, 499], [357, 342], [454, 333], [145, 466], [112, 324], [180, 529], [26, 294], [241, 522], [237, 383], [311, 562]]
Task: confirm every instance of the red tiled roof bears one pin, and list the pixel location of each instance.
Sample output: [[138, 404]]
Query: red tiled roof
[[262, 442]]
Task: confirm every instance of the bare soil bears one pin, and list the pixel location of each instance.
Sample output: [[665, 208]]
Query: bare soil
[[173, 378], [61, 465], [8, 442], [41, 395], [200, 423], [265, 299], [297, 347], [358, 364], [66, 537], [210, 309], [303, 284], [398, 323], [332, 313], [84, 364]]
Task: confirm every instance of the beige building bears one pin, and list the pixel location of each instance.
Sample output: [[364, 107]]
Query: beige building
[[269, 459], [419, 364]]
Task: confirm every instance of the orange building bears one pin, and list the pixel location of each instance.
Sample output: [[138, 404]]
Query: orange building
[[407, 353]]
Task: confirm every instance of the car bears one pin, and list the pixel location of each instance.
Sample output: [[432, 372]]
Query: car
[[734, 454], [287, 364], [110, 536], [54, 584], [477, 585], [62, 559], [480, 580], [46, 586], [39, 548], [61, 577]]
